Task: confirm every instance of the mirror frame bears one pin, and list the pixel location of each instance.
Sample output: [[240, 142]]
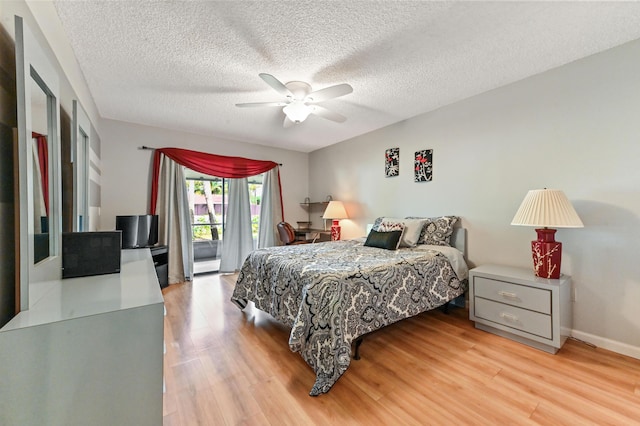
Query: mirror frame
[[80, 157], [32, 63]]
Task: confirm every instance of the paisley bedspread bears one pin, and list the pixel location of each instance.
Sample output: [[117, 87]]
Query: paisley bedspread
[[331, 293]]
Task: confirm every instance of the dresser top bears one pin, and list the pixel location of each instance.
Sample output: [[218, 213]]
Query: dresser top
[[58, 300]]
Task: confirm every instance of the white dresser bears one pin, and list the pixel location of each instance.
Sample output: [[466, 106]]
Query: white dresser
[[88, 351], [514, 303]]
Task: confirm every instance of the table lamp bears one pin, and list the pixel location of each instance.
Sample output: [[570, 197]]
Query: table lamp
[[546, 209], [335, 211]]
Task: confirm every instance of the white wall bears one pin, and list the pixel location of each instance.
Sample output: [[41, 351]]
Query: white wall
[[575, 128], [126, 170]]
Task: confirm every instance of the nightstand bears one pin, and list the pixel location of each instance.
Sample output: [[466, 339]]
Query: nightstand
[[514, 303]]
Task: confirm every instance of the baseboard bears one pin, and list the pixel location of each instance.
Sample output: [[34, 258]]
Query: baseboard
[[608, 344]]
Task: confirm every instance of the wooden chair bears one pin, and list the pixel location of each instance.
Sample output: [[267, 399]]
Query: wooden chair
[[288, 234]]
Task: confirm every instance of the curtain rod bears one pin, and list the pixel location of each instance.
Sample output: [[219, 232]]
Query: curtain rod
[[143, 147]]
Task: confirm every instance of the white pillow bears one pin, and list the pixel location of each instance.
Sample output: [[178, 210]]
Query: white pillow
[[412, 229]]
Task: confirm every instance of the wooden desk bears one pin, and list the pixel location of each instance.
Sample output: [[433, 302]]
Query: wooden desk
[[315, 235]]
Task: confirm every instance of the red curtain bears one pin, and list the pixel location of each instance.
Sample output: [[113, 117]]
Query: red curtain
[[43, 160], [210, 164]]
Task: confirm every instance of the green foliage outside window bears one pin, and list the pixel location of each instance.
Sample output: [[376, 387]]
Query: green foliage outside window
[[254, 226], [203, 232]]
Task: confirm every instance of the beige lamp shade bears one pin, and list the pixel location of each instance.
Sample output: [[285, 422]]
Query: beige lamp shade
[[547, 208], [335, 210]]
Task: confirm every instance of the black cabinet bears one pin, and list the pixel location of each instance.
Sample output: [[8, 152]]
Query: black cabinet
[[160, 255]]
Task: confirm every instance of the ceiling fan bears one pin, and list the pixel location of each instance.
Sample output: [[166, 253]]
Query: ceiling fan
[[301, 101]]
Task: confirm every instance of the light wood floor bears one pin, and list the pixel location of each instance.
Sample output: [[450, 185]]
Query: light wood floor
[[228, 367]]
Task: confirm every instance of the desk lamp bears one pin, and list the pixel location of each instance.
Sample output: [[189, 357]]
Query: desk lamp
[[335, 211]]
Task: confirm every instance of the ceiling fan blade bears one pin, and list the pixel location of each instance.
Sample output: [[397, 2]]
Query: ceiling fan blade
[[276, 84], [329, 115], [261, 104], [329, 93]]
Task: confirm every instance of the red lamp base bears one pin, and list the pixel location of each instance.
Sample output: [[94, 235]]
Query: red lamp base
[[547, 254], [335, 230]]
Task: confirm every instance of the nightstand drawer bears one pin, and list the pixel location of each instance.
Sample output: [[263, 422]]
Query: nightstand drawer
[[534, 299], [510, 316]]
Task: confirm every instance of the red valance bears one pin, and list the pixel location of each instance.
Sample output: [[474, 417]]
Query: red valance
[[210, 164]]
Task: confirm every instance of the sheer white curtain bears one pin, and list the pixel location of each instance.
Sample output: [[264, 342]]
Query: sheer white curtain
[[270, 210], [237, 238], [174, 223]]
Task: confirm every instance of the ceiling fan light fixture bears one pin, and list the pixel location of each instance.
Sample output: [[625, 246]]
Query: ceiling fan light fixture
[[297, 111], [299, 96]]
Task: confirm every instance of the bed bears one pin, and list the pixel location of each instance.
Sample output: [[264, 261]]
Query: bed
[[332, 293]]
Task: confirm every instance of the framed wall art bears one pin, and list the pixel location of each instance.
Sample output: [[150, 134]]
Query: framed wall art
[[423, 165], [392, 162]]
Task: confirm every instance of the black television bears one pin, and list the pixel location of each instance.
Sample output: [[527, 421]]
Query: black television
[[138, 231]]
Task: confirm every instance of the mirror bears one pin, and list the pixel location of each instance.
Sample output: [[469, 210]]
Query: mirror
[[80, 143], [37, 95], [40, 170]]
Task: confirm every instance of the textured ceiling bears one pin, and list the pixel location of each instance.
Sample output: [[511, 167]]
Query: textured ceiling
[[184, 65]]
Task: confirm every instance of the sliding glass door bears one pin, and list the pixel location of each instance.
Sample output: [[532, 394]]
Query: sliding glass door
[[208, 201]]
